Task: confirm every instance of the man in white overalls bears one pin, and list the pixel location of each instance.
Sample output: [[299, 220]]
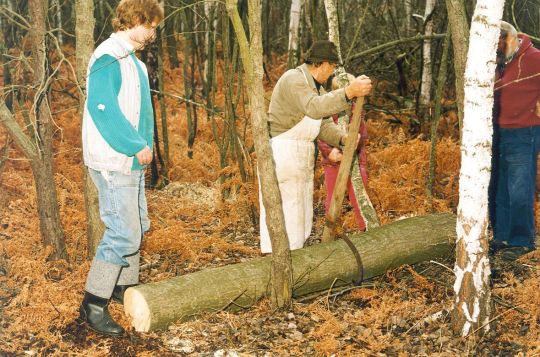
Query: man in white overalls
[[299, 113]]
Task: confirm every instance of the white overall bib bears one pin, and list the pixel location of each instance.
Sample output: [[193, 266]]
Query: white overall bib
[[294, 155]]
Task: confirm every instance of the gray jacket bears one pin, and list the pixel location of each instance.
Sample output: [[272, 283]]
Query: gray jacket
[[293, 98]]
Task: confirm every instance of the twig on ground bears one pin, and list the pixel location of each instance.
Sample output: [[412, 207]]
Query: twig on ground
[[442, 265]]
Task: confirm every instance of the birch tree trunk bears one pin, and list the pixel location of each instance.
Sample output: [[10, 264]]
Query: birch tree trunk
[[251, 53], [366, 208], [296, 9], [408, 14], [333, 23], [425, 87], [84, 37], [459, 28], [472, 291]]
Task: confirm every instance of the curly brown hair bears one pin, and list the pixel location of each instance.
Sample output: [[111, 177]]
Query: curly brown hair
[[130, 13]]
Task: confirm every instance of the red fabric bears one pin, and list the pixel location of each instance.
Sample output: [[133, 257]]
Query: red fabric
[[331, 171], [330, 177], [518, 90]]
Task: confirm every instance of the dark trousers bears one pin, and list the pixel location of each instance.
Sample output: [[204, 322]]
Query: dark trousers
[[516, 151]]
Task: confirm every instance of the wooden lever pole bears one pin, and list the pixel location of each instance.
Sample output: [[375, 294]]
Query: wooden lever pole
[[343, 173]]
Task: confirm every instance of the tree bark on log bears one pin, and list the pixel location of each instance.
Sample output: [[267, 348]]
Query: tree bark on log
[[315, 268]]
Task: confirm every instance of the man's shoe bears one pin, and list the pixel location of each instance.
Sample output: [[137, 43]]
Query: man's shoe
[[119, 291], [512, 253], [496, 245], [95, 313]]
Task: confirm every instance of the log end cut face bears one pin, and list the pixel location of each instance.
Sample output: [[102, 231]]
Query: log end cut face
[[136, 308]]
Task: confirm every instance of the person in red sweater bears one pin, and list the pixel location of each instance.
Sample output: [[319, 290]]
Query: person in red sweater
[[516, 143], [331, 158]]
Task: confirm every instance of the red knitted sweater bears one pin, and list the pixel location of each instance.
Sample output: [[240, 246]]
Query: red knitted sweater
[[518, 90]]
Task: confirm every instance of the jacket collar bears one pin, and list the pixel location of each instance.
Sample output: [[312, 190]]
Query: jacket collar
[[310, 80], [123, 43]]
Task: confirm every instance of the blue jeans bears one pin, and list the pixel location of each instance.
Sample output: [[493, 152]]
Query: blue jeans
[[123, 210], [515, 191]]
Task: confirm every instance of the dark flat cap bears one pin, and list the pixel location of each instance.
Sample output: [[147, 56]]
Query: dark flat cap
[[321, 51]]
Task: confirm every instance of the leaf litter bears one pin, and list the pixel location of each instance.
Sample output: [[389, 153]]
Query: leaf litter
[[405, 312]]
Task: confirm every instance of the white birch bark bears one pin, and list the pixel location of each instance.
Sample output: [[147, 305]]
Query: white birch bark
[[408, 14], [425, 88], [472, 269], [294, 24], [333, 23]]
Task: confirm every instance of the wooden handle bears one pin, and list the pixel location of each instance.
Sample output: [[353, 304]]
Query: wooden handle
[[343, 173]]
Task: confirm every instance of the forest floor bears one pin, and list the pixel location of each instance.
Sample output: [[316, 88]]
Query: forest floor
[[405, 312]]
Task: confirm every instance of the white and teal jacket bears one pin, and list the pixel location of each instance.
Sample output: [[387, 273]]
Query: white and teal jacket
[[118, 119]]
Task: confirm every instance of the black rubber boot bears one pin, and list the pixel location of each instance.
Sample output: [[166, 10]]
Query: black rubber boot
[[119, 291], [95, 313]]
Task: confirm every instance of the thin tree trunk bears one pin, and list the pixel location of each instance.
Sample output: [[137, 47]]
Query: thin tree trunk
[[4, 155], [6, 68], [170, 30], [471, 313], [266, 30], [38, 147], [408, 14], [84, 33], [251, 54], [228, 75], [424, 98], [57, 11], [459, 28], [230, 49], [164, 172], [51, 228], [296, 9], [150, 56], [209, 41], [441, 81], [191, 114]]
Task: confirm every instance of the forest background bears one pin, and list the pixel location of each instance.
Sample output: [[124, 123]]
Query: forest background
[[203, 195]]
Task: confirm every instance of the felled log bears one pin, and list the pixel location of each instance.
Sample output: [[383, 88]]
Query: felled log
[[315, 268]]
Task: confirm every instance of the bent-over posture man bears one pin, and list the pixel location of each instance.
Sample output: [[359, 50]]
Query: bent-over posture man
[[297, 113], [117, 138]]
